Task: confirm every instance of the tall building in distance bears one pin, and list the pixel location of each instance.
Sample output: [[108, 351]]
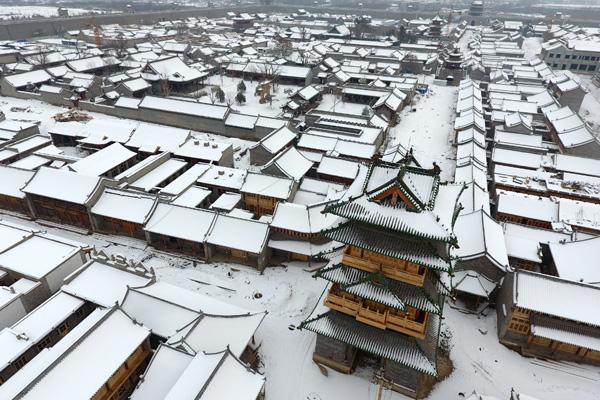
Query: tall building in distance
[[476, 9], [386, 295]]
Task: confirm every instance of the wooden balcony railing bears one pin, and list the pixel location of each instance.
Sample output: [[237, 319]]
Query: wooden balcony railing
[[393, 269], [372, 316], [377, 316], [402, 323], [342, 302]]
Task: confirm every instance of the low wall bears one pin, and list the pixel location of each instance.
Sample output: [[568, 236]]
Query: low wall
[[195, 123], [24, 29]]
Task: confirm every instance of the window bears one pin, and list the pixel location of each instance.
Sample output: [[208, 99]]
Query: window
[[591, 67], [586, 57], [567, 56], [45, 342], [551, 55], [582, 67], [574, 66], [20, 363], [63, 329]]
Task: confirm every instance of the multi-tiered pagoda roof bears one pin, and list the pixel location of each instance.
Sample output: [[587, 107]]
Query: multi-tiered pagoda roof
[[399, 232]]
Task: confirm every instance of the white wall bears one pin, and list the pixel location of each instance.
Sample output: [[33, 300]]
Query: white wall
[[55, 279], [12, 312]]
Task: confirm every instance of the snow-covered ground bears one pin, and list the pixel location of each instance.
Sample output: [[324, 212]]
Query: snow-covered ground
[[34, 111], [289, 295], [20, 12], [532, 46], [335, 104], [429, 129], [466, 38], [252, 105]]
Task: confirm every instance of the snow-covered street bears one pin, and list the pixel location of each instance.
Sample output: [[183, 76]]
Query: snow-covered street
[[428, 130]]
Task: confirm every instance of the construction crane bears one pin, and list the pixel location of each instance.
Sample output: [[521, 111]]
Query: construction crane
[[97, 32]]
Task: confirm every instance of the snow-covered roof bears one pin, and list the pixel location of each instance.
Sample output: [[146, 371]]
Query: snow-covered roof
[[372, 340], [25, 258], [474, 198], [162, 317], [96, 131], [190, 300], [164, 369], [301, 218], [102, 284], [472, 282], [277, 140], [36, 325], [540, 208], [32, 162], [91, 63], [574, 164], [63, 185], [203, 376], [135, 85], [241, 120], [479, 235], [338, 167], [11, 234], [224, 177], [175, 106], [102, 161], [569, 300], [210, 333], [226, 202], [239, 234], [154, 178], [181, 222], [268, 185], [124, 205], [13, 179], [26, 78], [185, 180], [562, 332], [87, 365], [577, 261], [192, 196], [174, 69], [291, 163], [308, 93]]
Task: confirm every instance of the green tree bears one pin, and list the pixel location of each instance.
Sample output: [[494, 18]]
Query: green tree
[[241, 87], [240, 98], [219, 93]]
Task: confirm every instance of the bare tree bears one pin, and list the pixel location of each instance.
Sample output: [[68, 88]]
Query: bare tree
[[269, 71], [283, 47], [165, 85], [304, 57], [304, 32], [40, 58], [181, 29], [360, 28], [120, 45]]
